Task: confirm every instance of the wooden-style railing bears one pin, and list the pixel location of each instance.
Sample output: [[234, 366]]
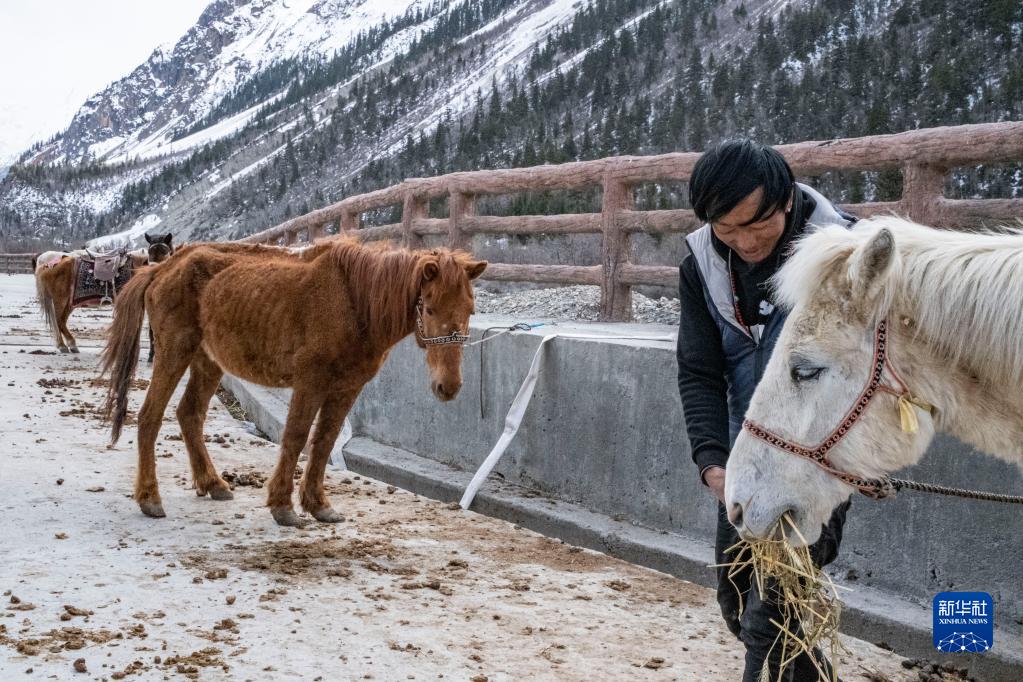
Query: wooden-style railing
[[924, 156], [16, 263]]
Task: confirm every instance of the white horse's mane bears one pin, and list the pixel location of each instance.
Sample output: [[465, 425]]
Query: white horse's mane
[[963, 289]]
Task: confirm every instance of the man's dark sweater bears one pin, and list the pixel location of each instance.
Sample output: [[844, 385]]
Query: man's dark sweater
[[701, 361]]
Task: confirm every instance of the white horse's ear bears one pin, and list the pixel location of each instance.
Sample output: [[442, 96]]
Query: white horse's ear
[[869, 265]]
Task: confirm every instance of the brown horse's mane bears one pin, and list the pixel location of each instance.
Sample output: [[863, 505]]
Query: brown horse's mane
[[386, 282]]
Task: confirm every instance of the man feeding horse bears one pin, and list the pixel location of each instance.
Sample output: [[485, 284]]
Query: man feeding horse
[[754, 209]]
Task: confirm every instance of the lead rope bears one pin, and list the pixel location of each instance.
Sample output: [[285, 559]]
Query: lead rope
[[898, 484], [517, 327]]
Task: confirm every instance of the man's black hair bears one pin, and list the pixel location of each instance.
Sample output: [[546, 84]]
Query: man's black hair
[[731, 171]]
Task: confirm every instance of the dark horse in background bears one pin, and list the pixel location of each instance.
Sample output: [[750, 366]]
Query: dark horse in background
[[65, 281]]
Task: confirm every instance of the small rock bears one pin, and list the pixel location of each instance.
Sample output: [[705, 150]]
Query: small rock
[[230, 599], [80, 666]]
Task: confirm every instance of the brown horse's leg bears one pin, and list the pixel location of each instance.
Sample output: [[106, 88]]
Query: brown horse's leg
[[167, 372], [314, 498], [301, 412], [62, 320], [58, 334], [204, 377]]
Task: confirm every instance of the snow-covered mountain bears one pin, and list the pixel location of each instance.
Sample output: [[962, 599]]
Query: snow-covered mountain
[[269, 108], [178, 101], [138, 116]]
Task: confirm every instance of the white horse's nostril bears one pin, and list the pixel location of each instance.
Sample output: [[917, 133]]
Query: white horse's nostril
[[735, 514]]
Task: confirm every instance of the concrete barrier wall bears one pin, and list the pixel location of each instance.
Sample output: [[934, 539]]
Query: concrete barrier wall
[[605, 430]]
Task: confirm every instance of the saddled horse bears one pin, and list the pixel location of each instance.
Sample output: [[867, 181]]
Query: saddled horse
[[896, 331], [321, 321], [82, 278]]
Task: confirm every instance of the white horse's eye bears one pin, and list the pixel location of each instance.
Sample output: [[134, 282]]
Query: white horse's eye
[[801, 374]]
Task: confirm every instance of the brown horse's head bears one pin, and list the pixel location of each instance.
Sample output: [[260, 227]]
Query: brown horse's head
[[160, 247], [442, 315]]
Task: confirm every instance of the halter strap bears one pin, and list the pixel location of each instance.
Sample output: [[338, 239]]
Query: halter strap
[[818, 454], [453, 337]]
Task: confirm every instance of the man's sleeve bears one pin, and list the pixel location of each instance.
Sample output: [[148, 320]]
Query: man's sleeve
[[701, 373]]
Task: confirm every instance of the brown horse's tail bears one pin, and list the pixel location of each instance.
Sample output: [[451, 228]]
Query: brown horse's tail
[[121, 354], [46, 304]]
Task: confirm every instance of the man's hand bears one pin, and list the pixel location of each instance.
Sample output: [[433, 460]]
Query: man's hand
[[714, 477]]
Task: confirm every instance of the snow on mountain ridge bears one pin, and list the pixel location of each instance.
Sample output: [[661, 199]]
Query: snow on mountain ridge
[[175, 87]]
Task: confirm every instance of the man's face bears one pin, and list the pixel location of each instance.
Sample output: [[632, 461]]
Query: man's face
[[752, 242]]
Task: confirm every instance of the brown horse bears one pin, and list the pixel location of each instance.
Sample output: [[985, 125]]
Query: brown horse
[[55, 274], [321, 321]]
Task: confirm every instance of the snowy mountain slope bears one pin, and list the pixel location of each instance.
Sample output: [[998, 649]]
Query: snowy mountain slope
[[229, 148], [509, 39], [138, 115]]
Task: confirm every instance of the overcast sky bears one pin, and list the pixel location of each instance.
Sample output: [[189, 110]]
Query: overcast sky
[[54, 54]]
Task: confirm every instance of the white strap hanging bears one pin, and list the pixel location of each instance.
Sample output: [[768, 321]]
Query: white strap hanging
[[521, 402]]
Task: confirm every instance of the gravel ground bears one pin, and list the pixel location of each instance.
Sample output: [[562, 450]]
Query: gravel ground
[[573, 303]]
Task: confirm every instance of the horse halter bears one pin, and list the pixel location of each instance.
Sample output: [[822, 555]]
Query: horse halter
[[818, 454], [453, 337], [159, 252]]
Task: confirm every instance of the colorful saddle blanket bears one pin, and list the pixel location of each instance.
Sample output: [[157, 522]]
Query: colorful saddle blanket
[[98, 277]]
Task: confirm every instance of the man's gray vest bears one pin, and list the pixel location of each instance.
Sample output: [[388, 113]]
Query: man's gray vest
[[745, 355]]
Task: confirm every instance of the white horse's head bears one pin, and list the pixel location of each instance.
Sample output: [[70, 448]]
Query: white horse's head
[[839, 284]]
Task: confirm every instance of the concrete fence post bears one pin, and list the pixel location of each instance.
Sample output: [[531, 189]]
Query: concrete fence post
[[316, 231], [349, 221], [413, 207], [615, 297], [460, 206], [923, 192]]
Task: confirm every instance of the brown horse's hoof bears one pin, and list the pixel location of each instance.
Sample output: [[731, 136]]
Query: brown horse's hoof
[[74, 349], [153, 509], [221, 493], [286, 516], [62, 349], [328, 515]]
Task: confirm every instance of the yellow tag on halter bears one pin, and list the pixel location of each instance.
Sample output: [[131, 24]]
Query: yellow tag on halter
[[910, 424]]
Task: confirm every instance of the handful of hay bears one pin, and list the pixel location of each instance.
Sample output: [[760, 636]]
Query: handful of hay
[[805, 594]]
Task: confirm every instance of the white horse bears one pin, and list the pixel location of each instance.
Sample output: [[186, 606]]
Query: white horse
[[47, 257], [896, 331]]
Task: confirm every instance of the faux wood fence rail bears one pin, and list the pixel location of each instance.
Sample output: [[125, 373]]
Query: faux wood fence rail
[[924, 156], [16, 263]]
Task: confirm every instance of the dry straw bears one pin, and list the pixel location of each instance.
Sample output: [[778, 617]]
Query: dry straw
[[806, 596]]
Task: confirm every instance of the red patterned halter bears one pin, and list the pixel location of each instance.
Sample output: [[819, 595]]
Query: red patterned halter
[[818, 454]]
